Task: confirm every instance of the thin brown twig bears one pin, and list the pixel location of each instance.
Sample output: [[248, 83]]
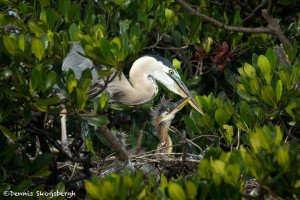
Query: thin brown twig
[[255, 10], [222, 25], [139, 143], [10, 27], [272, 27], [8, 9]]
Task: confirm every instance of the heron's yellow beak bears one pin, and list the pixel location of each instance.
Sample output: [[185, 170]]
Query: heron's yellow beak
[[184, 92]]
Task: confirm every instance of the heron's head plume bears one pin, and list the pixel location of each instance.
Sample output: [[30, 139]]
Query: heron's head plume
[[163, 71]]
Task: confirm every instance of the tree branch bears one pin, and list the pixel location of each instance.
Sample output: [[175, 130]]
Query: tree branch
[[272, 27], [10, 27], [120, 153], [255, 10], [270, 7], [221, 25], [8, 9]]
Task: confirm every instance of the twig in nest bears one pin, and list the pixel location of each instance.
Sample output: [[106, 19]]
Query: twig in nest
[[139, 143], [174, 130]]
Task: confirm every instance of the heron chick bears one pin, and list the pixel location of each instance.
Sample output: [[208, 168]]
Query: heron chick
[[162, 117]]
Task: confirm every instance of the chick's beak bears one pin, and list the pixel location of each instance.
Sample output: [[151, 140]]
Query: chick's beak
[[184, 92], [179, 104]]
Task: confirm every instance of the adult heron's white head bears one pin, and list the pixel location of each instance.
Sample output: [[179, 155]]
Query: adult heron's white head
[[159, 68]]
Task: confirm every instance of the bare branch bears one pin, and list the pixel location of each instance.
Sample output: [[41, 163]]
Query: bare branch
[[8, 9], [270, 6], [255, 10], [10, 27], [120, 153], [281, 55], [272, 27], [139, 143], [221, 25]]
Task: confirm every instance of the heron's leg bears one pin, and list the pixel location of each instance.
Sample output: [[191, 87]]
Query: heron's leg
[[64, 138]]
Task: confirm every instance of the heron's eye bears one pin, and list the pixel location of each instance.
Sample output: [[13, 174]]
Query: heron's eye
[[168, 109], [171, 72]]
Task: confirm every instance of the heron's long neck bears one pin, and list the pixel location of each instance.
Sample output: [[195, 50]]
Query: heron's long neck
[[162, 129], [141, 88]]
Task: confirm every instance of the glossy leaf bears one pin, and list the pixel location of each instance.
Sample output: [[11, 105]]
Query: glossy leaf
[[250, 70], [10, 44], [278, 90], [65, 6], [221, 116], [97, 121], [269, 96], [265, 67], [36, 77], [176, 192], [37, 48], [21, 43]]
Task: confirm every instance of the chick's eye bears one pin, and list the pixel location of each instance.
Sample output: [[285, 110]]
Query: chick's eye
[[171, 72]]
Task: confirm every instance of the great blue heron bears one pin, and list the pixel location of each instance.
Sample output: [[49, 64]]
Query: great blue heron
[[162, 116], [140, 88]]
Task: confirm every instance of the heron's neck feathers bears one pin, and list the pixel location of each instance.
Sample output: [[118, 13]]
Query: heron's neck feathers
[[141, 88]]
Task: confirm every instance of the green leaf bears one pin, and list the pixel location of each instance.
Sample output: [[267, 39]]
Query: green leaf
[[294, 75], [176, 63], [65, 7], [105, 48], [37, 48], [242, 72], [278, 90], [50, 80], [222, 116], [279, 136], [10, 44], [7, 133], [283, 158], [206, 122], [50, 18], [228, 133], [37, 28], [99, 120], [72, 31], [176, 192], [255, 86], [81, 99], [7, 152], [36, 77], [41, 162], [104, 100], [44, 3], [21, 43], [250, 70], [265, 67], [93, 190], [48, 101], [245, 95], [269, 96], [294, 51], [103, 73], [272, 58], [282, 76], [236, 18], [89, 146], [71, 81], [190, 189]]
